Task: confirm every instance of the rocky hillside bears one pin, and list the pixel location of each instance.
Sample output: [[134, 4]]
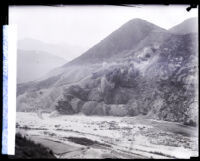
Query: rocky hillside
[[153, 72]]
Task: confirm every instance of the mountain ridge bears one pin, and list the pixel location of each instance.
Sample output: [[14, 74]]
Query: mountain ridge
[[157, 77], [132, 31], [187, 26]]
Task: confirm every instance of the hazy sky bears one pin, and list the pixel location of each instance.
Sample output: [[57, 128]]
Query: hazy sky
[[87, 25]]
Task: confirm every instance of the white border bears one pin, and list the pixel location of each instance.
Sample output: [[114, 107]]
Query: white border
[[12, 69]]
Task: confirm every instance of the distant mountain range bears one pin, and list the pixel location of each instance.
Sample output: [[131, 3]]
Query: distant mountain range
[[37, 58], [138, 69], [62, 50], [32, 65]]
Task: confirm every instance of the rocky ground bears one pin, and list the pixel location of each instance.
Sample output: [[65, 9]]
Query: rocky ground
[[80, 136]]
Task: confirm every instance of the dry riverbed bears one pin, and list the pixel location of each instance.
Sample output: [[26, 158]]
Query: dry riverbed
[[79, 136]]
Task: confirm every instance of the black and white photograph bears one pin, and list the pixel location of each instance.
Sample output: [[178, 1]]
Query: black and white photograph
[[106, 81]]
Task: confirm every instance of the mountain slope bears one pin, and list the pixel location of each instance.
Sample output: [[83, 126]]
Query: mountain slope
[[133, 35], [126, 37], [153, 73], [187, 26], [31, 65]]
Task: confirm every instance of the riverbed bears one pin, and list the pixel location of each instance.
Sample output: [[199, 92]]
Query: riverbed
[[80, 136]]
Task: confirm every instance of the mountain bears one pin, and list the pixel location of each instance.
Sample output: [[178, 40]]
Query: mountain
[[32, 65], [60, 50], [138, 69], [118, 44], [187, 26], [126, 38]]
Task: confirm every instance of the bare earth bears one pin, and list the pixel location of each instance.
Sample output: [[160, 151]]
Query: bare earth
[[79, 136]]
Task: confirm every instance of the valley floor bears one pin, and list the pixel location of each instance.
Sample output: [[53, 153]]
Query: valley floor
[[79, 136]]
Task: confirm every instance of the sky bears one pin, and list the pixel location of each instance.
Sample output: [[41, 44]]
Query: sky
[[85, 26]]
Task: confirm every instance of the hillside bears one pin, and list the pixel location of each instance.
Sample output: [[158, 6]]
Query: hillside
[[187, 26], [139, 69], [126, 38]]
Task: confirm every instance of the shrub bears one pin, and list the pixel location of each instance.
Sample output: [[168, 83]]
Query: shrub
[[78, 92], [64, 107], [190, 123]]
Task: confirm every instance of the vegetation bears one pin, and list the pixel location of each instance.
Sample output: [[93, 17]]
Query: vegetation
[[64, 107], [28, 149], [149, 71]]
